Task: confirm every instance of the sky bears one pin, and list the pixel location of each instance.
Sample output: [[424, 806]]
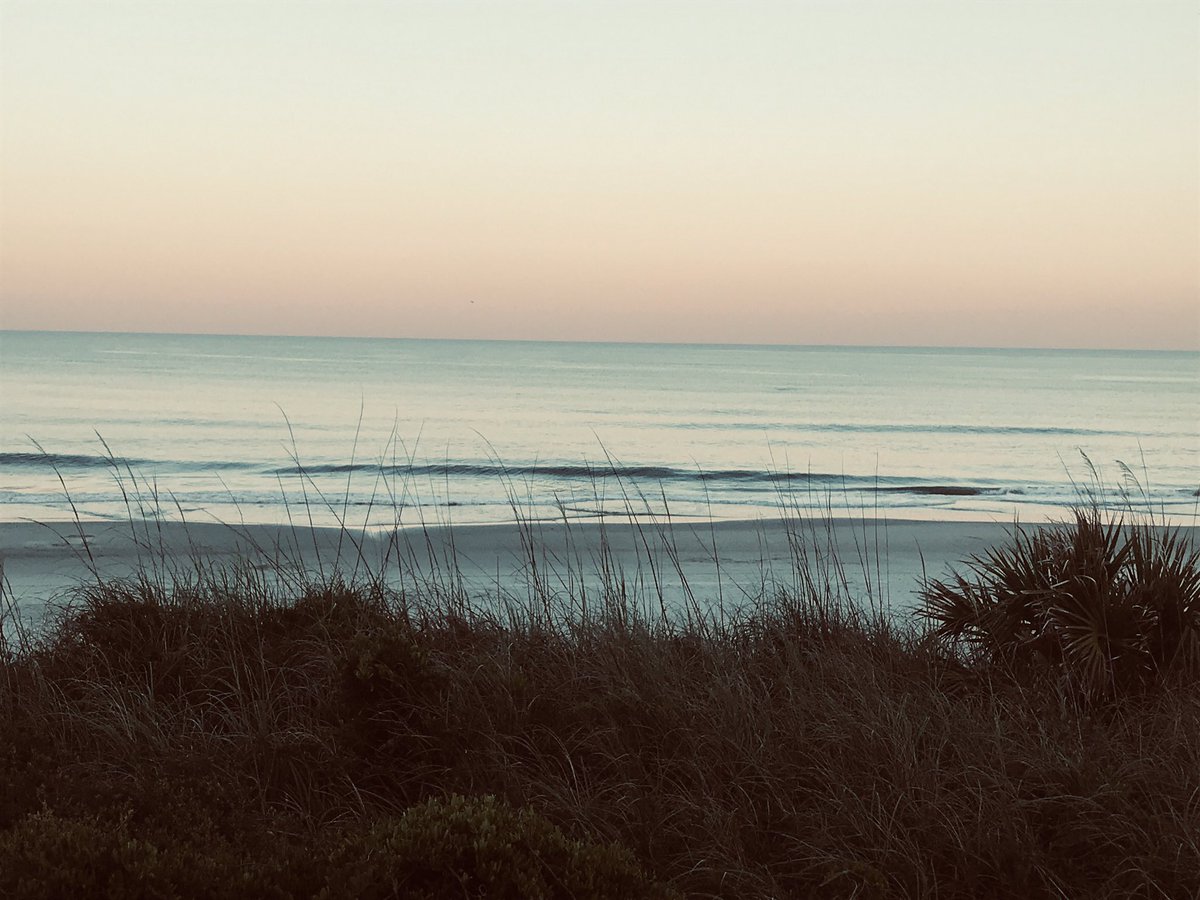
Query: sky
[[896, 173]]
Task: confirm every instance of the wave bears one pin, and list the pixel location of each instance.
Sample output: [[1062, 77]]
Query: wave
[[746, 478], [67, 460], [902, 428], [586, 473], [733, 483], [95, 461]]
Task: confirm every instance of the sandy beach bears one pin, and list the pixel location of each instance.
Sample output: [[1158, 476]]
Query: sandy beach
[[729, 561]]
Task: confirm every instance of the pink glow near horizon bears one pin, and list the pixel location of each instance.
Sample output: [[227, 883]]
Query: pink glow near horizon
[[876, 173]]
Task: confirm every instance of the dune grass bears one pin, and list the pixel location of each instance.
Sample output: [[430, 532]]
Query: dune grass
[[202, 731]]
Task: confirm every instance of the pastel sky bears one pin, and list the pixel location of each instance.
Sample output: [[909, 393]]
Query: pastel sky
[[957, 173]]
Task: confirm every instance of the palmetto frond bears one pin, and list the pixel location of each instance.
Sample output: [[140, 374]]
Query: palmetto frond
[[956, 609], [1109, 605], [1100, 634], [1165, 572]]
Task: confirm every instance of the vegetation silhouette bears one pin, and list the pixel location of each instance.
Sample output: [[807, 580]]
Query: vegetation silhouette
[[267, 730]]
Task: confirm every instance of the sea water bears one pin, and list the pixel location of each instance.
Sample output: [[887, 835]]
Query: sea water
[[380, 432]]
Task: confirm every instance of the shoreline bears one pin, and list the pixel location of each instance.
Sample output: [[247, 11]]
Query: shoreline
[[326, 513]]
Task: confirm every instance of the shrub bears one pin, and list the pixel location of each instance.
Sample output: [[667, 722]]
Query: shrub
[[46, 856], [481, 847], [1102, 606], [447, 849]]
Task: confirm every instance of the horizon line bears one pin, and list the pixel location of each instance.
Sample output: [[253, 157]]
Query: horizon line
[[645, 343]]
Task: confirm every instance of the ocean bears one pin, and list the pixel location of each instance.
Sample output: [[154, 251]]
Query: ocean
[[384, 432]]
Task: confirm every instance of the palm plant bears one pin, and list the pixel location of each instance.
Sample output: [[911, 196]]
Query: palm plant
[[1103, 606]]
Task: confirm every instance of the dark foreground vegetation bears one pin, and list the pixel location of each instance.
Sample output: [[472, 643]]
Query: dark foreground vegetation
[[1040, 737]]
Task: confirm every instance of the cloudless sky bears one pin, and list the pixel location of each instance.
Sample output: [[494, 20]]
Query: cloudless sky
[[955, 173]]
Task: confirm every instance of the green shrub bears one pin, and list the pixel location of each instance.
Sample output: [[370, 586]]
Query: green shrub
[[47, 856], [1103, 606], [386, 662], [440, 849], [481, 847]]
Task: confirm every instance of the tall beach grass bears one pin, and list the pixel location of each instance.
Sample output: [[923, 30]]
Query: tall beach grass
[[370, 727]]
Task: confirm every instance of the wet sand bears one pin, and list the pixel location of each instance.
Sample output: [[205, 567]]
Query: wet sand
[[728, 562]]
